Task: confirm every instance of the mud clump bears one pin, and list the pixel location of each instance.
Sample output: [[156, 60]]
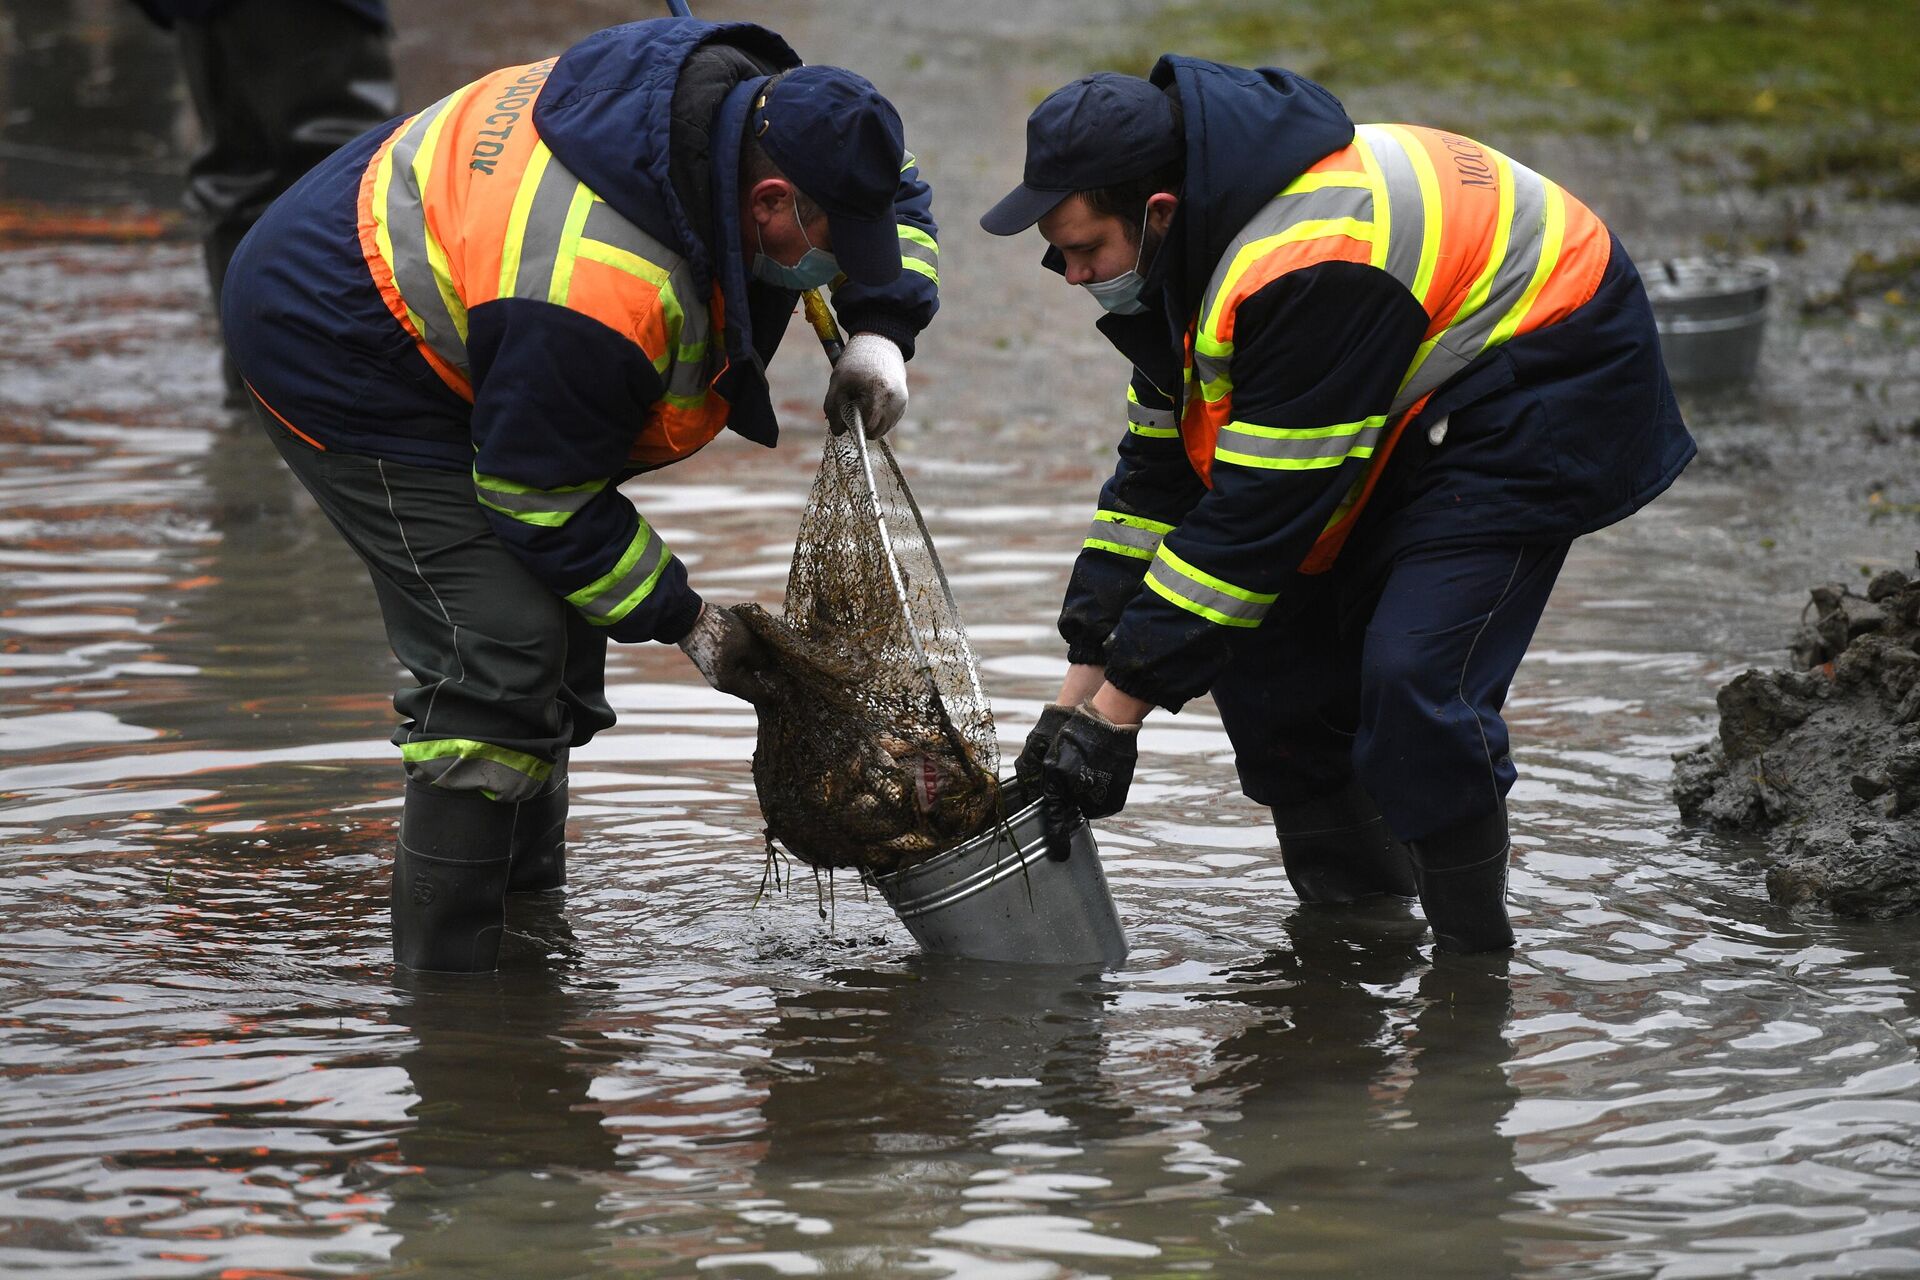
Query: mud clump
[[1824, 759]]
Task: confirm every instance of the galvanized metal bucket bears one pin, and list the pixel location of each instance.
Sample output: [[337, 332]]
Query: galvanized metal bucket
[[1711, 314], [1000, 897]]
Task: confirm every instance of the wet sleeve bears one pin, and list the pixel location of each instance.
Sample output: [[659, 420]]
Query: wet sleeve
[[900, 310], [1153, 486], [558, 400], [1317, 359]]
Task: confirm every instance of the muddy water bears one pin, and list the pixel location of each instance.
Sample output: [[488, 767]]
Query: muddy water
[[209, 1068]]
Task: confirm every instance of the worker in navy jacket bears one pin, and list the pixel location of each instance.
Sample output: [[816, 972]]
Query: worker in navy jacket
[[1383, 375], [468, 327]]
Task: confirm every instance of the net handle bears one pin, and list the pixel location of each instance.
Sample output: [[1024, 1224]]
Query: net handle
[[820, 316]]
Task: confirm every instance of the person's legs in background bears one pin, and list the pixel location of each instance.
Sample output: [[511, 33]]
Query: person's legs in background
[[277, 86]]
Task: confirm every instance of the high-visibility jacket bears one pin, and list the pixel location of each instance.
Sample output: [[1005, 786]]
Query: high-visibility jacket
[[537, 279], [1392, 278], [465, 203]]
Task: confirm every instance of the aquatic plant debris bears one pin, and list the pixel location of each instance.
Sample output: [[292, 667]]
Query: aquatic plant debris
[[1824, 759]]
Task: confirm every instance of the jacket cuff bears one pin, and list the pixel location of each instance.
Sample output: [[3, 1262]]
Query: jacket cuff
[[895, 328], [678, 620], [1137, 684], [1087, 655]]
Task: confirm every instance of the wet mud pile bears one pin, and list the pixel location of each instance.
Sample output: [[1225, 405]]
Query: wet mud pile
[[1824, 759]]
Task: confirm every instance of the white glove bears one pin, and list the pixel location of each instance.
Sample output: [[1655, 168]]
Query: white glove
[[871, 376]]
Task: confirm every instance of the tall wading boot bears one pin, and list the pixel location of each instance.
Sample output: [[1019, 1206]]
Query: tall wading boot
[[1463, 884], [540, 842], [1337, 849], [450, 880]]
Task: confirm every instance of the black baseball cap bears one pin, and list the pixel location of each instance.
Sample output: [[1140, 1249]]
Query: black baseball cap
[[841, 143], [1102, 129]]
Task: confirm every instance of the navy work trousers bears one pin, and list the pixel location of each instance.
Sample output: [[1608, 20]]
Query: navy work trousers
[[1391, 670], [507, 676]]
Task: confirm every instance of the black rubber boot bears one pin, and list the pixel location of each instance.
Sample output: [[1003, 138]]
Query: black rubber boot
[[1338, 850], [450, 880], [1463, 885], [540, 842]]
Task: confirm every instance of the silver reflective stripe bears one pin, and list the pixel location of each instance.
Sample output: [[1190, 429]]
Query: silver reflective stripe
[[1462, 342], [1212, 372], [914, 249], [546, 226], [1406, 203], [1208, 602], [1108, 533], [536, 501], [1160, 421], [1297, 449], [611, 602], [1286, 210], [406, 221], [608, 227]]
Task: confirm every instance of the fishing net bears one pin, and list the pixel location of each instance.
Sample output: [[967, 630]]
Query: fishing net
[[877, 748]]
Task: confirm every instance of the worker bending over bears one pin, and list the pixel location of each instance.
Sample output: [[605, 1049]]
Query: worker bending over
[[1382, 377], [467, 328]]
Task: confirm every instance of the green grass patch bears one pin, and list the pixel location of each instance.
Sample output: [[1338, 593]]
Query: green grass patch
[[1831, 87]]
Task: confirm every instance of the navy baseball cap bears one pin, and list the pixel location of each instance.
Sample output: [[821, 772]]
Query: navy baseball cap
[[840, 141], [1102, 129]]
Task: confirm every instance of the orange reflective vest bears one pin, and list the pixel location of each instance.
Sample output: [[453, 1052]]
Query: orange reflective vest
[[464, 204], [1489, 249]]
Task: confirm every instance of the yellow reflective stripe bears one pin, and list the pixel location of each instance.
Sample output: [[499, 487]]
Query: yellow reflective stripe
[[1430, 201], [638, 570], [1477, 295], [436, 252], [577, 211], [1124, 534], [1103, 516], [907, 161], [1201, 593], [1382, 204], [926, 269], [1298, 448], [1313, 229], [1550, 243], [1206, 344], [517, 220], [910, 232], [1320, 181], [382, 181], [1156, 424], [469, 749]]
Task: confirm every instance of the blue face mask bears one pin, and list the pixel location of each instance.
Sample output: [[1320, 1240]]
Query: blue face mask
[[816, 267], [1121, 295]]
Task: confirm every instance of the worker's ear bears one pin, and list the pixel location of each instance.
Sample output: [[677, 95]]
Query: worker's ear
[[769, 200], [1160, 210]]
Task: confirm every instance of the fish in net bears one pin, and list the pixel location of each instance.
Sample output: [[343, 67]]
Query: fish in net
[[876, 748]]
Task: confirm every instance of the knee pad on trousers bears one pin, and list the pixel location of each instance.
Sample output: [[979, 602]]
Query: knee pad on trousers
[[1337, 849], [1463, 884], [450, 880]]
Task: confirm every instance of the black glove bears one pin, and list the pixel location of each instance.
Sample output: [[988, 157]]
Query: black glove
[[1026, 766], [729, 655], [1086, 774]]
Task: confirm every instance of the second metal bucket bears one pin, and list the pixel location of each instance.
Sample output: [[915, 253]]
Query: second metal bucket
[[1711, 314], [1000, 897]]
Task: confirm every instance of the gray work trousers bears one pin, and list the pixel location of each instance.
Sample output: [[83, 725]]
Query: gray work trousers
[[507, 675]]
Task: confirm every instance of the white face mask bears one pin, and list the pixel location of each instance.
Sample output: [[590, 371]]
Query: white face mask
[[1121, 295]]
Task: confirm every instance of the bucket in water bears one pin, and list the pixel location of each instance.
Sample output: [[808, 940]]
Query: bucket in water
[[1000, 897], [1711, 313]]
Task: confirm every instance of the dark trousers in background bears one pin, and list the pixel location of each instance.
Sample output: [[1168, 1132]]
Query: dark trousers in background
[[508, 676], [1392, 670], [277, 86]]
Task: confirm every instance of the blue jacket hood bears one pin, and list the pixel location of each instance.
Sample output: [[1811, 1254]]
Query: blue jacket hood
[[1250, 132], [606, 113]]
